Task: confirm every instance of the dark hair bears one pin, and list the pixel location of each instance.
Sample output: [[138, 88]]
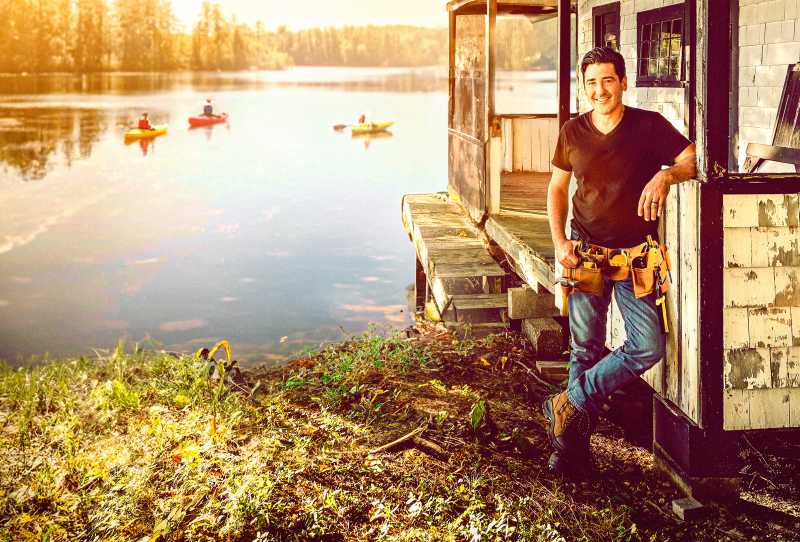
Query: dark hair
[[604, 55]]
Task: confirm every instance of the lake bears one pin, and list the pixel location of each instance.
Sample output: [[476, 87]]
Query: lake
[[272, 231]]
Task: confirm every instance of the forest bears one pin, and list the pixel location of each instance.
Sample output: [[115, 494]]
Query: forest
[[86, 36]]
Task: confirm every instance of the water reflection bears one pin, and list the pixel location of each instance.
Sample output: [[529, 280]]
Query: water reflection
[[271, 231], [31, 139], [367, 138], [428, 79]]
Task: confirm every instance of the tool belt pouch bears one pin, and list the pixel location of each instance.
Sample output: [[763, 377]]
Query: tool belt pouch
[[589, 281], [649, 267], [644, 281]]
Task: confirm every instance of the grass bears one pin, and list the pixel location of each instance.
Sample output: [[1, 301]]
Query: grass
[[122, 447]]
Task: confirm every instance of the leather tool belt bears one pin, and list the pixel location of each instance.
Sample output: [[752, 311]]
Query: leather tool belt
[[647, 264]]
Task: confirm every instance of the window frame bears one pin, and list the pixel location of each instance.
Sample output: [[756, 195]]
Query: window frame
[[660, 15], [598, 12]]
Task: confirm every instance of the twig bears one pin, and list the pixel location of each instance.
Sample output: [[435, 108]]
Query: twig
[[760, 455], [662, 512], [402, 439], [532, 374]]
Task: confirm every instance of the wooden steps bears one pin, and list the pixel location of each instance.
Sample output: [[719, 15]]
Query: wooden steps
[[455, 270]]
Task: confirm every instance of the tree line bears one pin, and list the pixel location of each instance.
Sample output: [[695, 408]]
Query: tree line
[[84, 36], [39, 36]]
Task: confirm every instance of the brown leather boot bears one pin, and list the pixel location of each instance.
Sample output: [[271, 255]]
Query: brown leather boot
[[568, 427]]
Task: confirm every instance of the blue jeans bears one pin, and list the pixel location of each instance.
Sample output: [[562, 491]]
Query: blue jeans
[[592, 379]]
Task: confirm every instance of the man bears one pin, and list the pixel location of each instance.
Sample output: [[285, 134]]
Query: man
[[208, 108], [144, 122], [616, 154]]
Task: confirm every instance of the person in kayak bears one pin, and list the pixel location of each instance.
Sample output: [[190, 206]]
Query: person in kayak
[[362, 119], [144, 123], [208, 108]]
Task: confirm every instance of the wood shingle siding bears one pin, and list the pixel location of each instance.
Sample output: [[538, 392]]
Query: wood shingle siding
[[761, 318]]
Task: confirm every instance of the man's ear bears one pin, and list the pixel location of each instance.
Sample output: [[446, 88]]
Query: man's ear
[[624, 83]]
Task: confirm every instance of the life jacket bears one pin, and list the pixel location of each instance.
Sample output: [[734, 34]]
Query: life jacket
[[144, 124]]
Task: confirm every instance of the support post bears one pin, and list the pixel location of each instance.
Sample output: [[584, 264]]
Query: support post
[[701, 457], [564, 60]]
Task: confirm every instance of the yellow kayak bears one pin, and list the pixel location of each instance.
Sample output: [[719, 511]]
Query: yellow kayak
[[370, 127], [138, 133]]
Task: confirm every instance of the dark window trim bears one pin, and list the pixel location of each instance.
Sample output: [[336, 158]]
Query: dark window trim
[[675, 11], [598, 11]]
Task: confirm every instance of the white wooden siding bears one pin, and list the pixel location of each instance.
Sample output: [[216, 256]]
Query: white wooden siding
[[528, 143], [761, 318]]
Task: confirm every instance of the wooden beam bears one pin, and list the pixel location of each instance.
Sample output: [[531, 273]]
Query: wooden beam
[[452, 69], [491, 22], [713, 87], [712, 131], [775, 153], [564, 60]]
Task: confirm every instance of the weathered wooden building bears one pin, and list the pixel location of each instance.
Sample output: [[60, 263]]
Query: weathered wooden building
[[733, 359]]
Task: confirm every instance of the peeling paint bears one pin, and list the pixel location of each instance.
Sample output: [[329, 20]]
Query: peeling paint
[[792, 204], [790, 295], [775, 367], [746, 368], [783, 257], [766, 213]]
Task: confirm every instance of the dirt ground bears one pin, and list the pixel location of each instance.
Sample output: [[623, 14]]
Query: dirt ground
[[513, 446]]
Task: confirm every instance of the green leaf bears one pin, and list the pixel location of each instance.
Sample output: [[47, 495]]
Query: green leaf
[[476, 414]]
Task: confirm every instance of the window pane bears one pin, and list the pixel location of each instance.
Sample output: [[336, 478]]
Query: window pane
[[645, 32], [666, 27], [652, 67], [664, 51], [676, 46], [643, 68], [676, 27], [645, 52], [661, 68], [655, 32], [673, 67]]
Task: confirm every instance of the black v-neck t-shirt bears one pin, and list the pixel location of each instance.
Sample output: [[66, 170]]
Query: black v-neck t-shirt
[[612, 169]]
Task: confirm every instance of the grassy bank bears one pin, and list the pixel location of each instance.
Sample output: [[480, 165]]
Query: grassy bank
[[150, 446]]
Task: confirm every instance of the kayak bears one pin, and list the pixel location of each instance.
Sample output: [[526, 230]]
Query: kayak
[[370, 127], [205, 121], [138, 133], [372, 135]]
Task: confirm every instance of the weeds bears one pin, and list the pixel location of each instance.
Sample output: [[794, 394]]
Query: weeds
[[119, 447]]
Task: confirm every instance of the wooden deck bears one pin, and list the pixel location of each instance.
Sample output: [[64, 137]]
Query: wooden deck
[[464, 281], [524, 191]]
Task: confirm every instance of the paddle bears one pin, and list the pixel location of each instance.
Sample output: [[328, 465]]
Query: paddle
[[340, 127]]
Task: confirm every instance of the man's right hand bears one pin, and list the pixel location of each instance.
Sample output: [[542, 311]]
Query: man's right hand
[[565, 253]]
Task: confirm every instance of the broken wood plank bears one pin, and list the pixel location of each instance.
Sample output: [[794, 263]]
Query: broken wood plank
[[553, 370]]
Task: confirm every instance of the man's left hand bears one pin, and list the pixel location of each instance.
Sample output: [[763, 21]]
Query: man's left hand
[[654, 197]]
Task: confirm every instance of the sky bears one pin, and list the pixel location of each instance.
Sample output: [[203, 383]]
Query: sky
[[298, 14]]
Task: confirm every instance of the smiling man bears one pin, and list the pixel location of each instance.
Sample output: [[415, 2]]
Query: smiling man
[[616, 153]]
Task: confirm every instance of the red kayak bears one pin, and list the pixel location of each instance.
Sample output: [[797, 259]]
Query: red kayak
[[202, 120]]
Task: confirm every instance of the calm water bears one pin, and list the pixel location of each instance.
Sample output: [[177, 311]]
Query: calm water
[[272, 231]]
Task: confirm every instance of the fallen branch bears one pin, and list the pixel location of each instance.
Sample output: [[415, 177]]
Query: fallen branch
[[401, 440], [428, 445]]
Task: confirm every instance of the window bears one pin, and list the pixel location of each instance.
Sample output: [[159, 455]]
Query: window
[[660, 45], [606, 25]]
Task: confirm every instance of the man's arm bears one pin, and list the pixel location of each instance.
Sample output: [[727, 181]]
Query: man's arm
[[557, 201], [656, 190]]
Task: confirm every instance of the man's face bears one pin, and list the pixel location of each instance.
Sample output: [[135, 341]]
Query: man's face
[[603, 87]]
